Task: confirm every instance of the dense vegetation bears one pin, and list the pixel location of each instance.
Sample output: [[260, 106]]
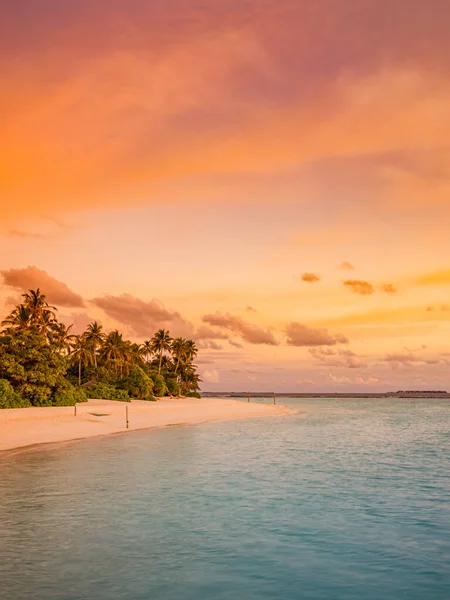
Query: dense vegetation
[[43, 364]]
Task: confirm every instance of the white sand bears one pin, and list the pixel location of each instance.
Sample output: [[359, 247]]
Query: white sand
[[20, 427]]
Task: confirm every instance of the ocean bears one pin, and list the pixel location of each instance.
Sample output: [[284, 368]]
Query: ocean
[[348, 500]]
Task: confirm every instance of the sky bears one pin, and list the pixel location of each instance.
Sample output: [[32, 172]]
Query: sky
[[270, 178]]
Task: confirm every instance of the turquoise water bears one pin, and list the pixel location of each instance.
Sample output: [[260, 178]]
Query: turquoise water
[[348, 501]]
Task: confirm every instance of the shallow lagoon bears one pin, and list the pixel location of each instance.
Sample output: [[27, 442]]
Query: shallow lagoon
[[349, 500]]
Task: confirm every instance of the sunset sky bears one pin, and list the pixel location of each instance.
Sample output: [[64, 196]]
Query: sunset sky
[[271, 178]]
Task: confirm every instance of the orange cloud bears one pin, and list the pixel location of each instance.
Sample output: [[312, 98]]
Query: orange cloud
[[132, 122], [31, 277], [143, 317], [249, 332], [388, 288], [437, 278], [357, 286], [25, 234], [310, 277], [443, 307], [346, 266], [409, 315], [302, 335]]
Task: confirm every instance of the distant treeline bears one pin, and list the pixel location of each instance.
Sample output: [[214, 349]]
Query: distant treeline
[[421, 392]]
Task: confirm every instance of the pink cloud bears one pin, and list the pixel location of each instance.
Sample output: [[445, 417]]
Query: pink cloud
[[31, 277], [337, 358]]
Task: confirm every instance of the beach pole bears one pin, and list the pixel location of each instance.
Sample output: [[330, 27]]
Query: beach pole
[[126, 414], [274, 398], [248, 396], [75, 411]]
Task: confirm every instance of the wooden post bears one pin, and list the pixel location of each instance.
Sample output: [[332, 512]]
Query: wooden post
[[75, 411], [274, 398], [126, 413], [248, 396]]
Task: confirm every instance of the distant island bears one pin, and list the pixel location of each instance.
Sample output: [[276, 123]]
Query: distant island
[[397, 394]]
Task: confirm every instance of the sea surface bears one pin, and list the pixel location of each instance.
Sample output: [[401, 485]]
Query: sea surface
[[349, 500]]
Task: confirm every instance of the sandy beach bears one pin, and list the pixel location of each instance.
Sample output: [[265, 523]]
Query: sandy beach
[[21, 427]]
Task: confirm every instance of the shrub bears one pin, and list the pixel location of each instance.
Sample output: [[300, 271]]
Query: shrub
[[37, 395], [64, 397], [80, 395], [121, 395], [159, 385], [138, 384], [193, 395], [172, 386], [100, 390], [68, 395], [105, 391], [9, 398]]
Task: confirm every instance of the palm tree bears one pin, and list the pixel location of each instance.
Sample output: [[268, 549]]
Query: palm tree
[[166, 363], [95, 337], [60, 335], [179, 350], [137, 354], [115, 350], [161, 342], [19, 318], [131, 356], [191, 350], [41, 313], [82, 353], [147, 350], [190, 379]]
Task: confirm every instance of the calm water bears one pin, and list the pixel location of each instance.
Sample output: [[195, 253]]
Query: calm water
[[350, 501]]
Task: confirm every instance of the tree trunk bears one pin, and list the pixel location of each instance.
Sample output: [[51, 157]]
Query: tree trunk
[[160, 361], [79, 371]]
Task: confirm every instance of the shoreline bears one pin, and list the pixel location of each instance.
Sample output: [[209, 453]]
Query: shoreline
[[25, 429]]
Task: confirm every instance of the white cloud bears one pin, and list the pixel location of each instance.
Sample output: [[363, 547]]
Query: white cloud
[[210, 375]]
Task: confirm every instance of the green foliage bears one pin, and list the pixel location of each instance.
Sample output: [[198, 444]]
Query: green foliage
[[80, 395], [159, 385], [122, 395], [32, 365], [9, 398], [138, 384], [161, 342], [68, 395], [101, 374], [172, 386], [105, 391], [193, 395], [105, 374], [44, 364], [37, 395]]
